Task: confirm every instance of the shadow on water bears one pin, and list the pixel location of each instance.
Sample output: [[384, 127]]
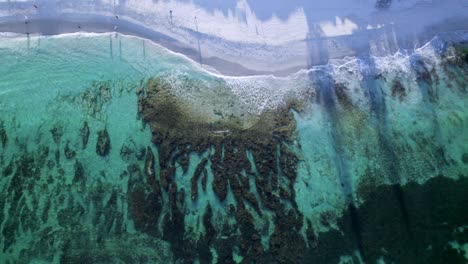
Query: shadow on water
[[384, 40], [379, 120], [198, 41], [427, 82], [327, 99]]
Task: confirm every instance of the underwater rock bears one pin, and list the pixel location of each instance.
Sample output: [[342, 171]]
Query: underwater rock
[[50, 164], [398, 90], [8, 169], [181, 197], [220, 185], [174, 229], [284, 194], [423, 72], [465, 158], [145, 201], [204, 253], [249, 197], [204, 179], [9, 231], [194, 180], [457, 55], [57, 156], [181, 157], [310, 234], [172, 194], [149, 167], [95, 98], [209, 228], [268, 199], [84, 131], [287, 229], [288, 163], [251, 249], [126, 152], [103, 144], [42, 154], [69, 153], [70, 216], [57, 133], [79, 172], [184, 162], [140, 153], [342, 96], [245, 182], [130, 150], [3, 135], [166, 176]]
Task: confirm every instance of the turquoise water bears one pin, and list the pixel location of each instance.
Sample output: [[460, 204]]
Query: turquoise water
[[377, 159]]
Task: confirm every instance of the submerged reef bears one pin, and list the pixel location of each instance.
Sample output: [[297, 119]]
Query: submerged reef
[[369, 166], [253, 159]]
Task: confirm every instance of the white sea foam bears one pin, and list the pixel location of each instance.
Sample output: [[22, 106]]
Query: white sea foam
[[261, 92]]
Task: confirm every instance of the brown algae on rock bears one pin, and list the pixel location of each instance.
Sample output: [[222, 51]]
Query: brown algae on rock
[[181, 124]]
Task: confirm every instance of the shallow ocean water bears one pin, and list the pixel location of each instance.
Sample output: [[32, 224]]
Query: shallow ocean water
[[373, 166]]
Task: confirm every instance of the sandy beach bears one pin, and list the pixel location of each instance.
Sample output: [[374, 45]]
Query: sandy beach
[[247, 40]]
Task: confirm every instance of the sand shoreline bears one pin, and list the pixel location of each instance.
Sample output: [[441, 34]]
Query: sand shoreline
[[309, 52], [103, 24]]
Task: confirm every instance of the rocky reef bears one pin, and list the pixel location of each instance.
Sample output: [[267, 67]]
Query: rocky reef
[[254, 160]]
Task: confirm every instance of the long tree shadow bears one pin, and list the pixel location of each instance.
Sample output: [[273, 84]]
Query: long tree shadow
[[326, 97], [373, 88], [384, 42]]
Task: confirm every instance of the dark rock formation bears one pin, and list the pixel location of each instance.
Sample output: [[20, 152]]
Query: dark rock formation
[[95, 98], [194, 181], [57, 133], [398, 90], [8, 169], [465, 158], [130, 151], [204, 179], [79, 176], [126, 152], [342, 96], [3, 135], [84, 131], [149, 167], [69, 153], [103, 144], [177, 131], [140, 153]]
